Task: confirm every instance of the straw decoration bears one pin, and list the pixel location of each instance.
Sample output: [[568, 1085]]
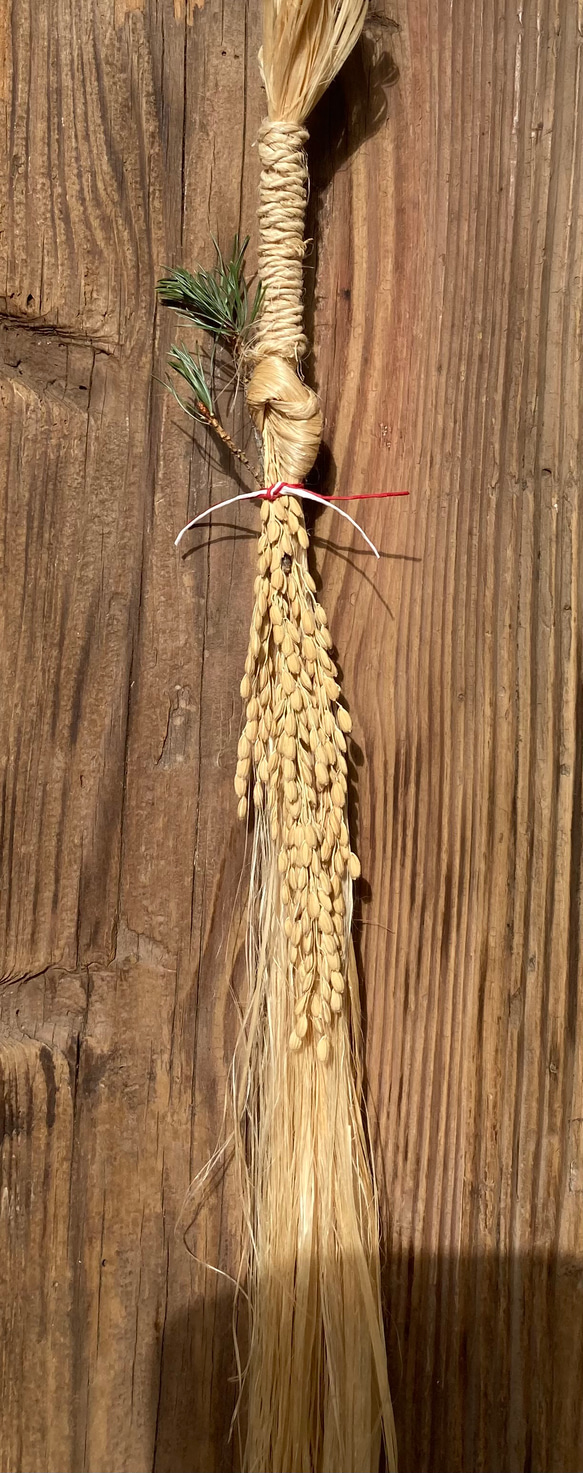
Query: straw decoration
[[316, 1387]]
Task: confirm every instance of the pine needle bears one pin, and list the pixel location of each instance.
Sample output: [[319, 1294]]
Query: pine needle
[[217, 302], [201, 407], [192, 371]]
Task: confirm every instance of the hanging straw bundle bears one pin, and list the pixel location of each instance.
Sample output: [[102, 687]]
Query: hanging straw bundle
[[316, 1377], [318, 1388]]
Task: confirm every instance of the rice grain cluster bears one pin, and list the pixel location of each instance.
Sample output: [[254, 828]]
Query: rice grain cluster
[[292, 752]]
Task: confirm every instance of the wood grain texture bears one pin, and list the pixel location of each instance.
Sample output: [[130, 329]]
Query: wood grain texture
[[444, 298]]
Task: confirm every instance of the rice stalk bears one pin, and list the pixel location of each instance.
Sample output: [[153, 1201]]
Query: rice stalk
[[318, 1395]]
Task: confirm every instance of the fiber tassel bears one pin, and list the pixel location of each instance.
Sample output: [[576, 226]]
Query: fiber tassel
[[318, 1395]]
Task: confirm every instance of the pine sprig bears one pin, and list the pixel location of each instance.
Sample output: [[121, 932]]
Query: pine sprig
[[191, 370], [200, 406], [218, 301]]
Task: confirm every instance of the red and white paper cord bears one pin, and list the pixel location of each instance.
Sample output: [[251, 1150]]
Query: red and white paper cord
[[281, 488]]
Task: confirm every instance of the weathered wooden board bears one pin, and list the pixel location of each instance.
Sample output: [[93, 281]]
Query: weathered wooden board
[[444, 297]]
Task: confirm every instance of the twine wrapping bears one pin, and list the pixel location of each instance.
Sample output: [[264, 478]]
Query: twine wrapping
[[283, 194], [284, 409]]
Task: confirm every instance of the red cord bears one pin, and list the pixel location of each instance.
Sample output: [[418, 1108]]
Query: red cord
[[272, 493], [365, 496]]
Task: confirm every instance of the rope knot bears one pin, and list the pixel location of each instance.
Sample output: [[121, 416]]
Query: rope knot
[[288, 417], [281, 488]]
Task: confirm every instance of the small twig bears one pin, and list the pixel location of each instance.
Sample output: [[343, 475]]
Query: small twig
[[212, 421]]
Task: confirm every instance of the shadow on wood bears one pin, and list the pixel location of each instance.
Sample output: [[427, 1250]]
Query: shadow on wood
[[486, 1366], [194, 1390]]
